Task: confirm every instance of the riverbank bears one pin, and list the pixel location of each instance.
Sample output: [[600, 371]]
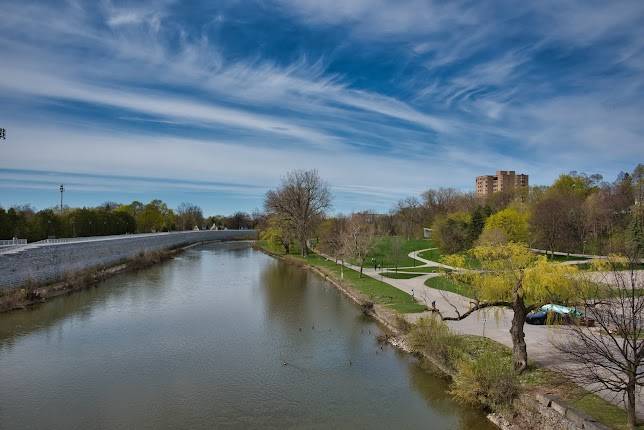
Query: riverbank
[[33, 293], [540, 401], [54, 260]]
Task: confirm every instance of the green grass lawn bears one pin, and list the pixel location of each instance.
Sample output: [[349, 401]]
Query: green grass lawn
[[436, 255], [384, 253], [398, 275], [431, 255], [377, 291], [561, 257], [588, 266], [423, 269], [446, 284]]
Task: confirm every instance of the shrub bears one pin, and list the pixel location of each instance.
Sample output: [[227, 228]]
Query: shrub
[[402, 324], [367, 308], [148, 258], [488, 381], [431, 336]]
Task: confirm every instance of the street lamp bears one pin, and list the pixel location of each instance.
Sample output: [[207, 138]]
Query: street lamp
[[62, 189]]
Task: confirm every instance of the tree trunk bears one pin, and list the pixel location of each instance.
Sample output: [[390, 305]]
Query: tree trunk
[[361, 264], [519, 352], [630, 405], [304, 248]]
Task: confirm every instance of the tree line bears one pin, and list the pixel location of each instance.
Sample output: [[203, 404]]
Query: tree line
[[111, 218], [577, 213]]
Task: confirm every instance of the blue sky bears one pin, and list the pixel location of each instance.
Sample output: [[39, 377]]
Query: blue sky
[[212, 102]]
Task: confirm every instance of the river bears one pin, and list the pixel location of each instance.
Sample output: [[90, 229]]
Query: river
[[222, 336]]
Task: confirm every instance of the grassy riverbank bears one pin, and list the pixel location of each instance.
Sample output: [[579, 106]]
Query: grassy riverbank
[[376, 291], [481, 369], [482, 375]]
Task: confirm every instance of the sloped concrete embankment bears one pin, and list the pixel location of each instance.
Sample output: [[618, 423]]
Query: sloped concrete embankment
[[53, 262]]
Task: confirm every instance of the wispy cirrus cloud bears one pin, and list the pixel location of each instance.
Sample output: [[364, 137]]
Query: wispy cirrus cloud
[[431, 93]]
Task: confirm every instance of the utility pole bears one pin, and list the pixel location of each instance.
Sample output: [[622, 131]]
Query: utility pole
[[62, 189]]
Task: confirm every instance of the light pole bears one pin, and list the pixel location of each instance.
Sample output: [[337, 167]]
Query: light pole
[[62, 189]]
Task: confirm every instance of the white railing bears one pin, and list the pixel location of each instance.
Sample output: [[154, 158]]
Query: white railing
[[24, 245], [13, 242], [112, 237]]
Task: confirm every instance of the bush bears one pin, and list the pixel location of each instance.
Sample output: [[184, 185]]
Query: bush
[[431, 336], [148, 258], [367, 308], [488, 381]]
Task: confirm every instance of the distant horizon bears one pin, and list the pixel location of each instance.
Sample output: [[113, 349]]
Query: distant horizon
[[82, 194]]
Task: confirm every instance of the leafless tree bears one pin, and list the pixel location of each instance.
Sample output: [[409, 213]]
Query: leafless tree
[[396, 250], [238, 220], [557, 221], [410, 217], [610, 355], [301, 200], [189, 216], [358, 238], [446, 200], [332, 235]]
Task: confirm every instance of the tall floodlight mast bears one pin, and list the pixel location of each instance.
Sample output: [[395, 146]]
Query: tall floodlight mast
[[62, 190]]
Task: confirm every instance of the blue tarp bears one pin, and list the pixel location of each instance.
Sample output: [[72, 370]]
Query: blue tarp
[[562, 310]]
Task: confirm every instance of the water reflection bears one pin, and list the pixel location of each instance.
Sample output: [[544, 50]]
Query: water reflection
[[201, 342]]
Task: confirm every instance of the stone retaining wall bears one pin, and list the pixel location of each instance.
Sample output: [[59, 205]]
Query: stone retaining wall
[[50, 263], [543, 411]]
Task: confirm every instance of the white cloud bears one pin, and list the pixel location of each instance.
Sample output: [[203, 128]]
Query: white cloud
[[480, 116]]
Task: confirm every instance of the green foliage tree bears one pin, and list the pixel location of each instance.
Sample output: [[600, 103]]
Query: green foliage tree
[[155, 216], [452, 233], [512, 222], [278, 234], [577, 183], [480, 214]]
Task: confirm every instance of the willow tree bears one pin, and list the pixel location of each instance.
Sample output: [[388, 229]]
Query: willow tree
[[512, 276]]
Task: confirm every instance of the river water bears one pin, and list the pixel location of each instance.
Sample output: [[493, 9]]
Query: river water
[[200, 342]]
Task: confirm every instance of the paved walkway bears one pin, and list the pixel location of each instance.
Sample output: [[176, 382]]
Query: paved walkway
[[493, 323]]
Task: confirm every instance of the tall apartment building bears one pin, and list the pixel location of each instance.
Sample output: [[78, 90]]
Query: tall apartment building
[[504, 180]]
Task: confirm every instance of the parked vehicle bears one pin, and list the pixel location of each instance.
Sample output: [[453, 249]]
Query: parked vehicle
[[557, 314]]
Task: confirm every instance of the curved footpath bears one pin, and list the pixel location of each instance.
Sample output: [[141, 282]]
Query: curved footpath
[[493, 323]]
